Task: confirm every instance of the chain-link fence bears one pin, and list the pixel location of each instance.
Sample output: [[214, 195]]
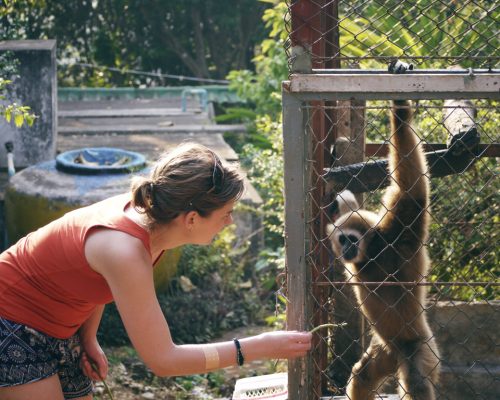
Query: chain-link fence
[[338, 136], [428, 33]]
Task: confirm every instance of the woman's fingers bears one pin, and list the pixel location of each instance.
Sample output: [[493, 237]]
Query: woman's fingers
[[93, 372], [302, 343], [102, 365], [289, 344]]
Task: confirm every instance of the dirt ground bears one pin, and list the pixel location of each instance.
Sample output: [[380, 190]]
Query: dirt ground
[[129, 379]]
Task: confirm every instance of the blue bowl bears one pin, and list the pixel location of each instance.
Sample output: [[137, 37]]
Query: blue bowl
[[100, 160]]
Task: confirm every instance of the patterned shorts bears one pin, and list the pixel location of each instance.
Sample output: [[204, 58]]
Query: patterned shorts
[[27, 355]]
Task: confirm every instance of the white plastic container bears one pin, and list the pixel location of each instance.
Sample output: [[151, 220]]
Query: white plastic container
[[264, 387]]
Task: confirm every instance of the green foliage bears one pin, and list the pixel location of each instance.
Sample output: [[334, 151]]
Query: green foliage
[[202, 387], [19, 114], [265, 169], [15, 17], [464, 232], [236, 115], [197, 262], [465, 221], [223, 297], [262, 88], [14, 112], [262, 155], [421, 28], [191, 38], [111, 330]]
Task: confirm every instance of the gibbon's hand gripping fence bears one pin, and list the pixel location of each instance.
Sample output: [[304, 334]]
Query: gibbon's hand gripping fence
[[337, 137]]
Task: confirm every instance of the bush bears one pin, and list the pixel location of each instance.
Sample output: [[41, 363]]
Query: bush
[[464, 232]]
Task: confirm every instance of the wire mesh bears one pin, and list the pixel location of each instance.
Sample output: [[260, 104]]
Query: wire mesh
[[428, 33], [461, 302], [347, 143]]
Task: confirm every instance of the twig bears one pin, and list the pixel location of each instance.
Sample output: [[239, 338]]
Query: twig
[[108, 390], [327, 326]]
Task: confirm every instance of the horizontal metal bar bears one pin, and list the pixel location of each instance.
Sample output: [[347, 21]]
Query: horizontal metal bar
[[382, 149], [126, 112], [413, 72], [409, 57], [373, 175], [393, 86], [341, 283]]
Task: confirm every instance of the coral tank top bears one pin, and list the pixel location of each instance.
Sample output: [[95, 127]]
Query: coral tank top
[[45, 280]]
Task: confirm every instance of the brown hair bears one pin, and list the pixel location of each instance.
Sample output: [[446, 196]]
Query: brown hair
[[190, 177]]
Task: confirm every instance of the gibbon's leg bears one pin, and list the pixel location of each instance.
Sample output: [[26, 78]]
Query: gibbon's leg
[[432, 361], [419, 370], [377, 363]]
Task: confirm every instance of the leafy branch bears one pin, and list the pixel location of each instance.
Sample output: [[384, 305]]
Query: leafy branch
[[18, 113]]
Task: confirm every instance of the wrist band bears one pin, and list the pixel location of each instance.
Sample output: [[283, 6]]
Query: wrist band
[[239, 354], [211, 357]]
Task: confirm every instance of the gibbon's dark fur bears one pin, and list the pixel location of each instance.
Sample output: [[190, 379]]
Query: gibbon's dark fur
[[389, 247]]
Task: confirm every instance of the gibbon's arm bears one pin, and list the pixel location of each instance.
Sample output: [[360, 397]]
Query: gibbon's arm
[[407, 196]]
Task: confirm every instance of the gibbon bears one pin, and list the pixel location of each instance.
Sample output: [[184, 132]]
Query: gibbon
[[389, 247]]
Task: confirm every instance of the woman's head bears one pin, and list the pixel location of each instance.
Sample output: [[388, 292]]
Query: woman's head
[[191, 177]]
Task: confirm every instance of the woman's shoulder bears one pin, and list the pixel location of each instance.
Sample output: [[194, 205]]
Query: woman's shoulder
[[109, 247]]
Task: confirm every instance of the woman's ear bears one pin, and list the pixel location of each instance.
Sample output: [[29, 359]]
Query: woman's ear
[[190, 219]]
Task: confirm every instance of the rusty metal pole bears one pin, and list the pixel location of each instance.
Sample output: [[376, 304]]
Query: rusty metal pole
[[314, 39]]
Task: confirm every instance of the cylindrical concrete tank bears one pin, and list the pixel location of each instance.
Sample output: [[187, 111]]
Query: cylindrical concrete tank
[[44, 192]]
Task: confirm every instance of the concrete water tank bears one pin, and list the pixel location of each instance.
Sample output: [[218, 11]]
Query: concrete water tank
[[44, 192]]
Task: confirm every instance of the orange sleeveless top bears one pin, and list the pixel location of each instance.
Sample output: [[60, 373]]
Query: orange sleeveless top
[[45, 280]]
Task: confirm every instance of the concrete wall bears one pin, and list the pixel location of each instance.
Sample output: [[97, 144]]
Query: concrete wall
[[35, 85], [468, 337]]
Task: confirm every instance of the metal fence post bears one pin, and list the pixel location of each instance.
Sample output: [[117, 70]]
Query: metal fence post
[[299, 304]]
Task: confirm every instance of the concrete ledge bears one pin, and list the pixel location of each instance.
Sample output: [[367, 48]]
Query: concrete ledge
[[126, 112], [187, 129]]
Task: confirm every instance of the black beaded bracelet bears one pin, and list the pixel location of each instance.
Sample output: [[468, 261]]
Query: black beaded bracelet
[[239, 354]]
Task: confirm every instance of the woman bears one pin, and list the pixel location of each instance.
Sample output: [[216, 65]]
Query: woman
[[54, 283]]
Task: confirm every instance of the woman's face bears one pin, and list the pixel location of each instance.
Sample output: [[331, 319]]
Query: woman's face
[[208, 227]]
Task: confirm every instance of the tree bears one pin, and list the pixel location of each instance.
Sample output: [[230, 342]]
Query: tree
[[262, 155], [204, 39]]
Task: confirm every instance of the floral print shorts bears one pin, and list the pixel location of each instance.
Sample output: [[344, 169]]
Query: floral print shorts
[[27, 355]]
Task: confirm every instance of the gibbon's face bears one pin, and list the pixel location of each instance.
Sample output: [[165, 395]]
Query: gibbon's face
[[349, 242], [351, 234]]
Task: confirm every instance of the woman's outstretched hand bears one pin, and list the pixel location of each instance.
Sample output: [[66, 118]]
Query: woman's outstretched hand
[[284, 344]]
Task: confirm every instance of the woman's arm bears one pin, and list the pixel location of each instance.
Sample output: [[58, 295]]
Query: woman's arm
[[92, 351], [126, 266], [89, 328]]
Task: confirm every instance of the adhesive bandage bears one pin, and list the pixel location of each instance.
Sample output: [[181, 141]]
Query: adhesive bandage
[[211, 357]]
